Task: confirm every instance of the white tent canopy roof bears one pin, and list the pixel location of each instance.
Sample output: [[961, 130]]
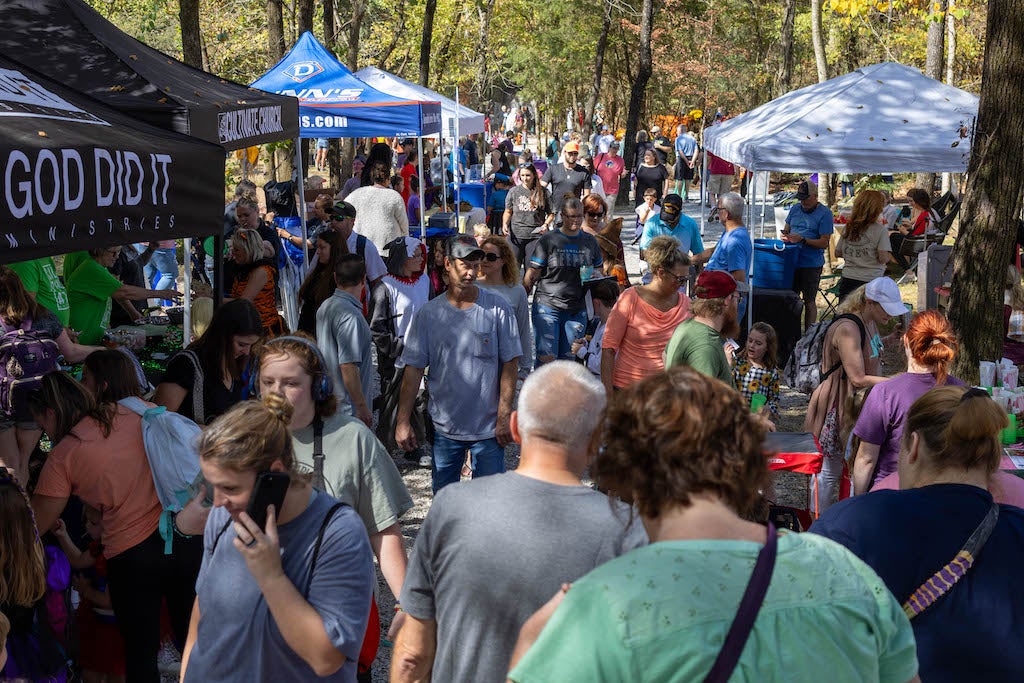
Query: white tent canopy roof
[[881, 118], [469, 121]]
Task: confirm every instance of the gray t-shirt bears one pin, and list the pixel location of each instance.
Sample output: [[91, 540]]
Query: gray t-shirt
[[562, 181], [525, 218], [357, 470], [238, 639], [465, 351], [343, 336], [516, 297], [860, 258], [492, 551]]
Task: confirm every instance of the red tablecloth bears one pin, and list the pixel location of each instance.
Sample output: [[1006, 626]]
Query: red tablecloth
[[793, 452]]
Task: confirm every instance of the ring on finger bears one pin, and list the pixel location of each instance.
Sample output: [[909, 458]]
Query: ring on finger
[[251, 543]]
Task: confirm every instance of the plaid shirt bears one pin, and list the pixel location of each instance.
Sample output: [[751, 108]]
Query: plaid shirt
[[750, 380]]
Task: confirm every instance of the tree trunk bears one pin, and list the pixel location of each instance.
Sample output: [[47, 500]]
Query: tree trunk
[[355, 30], [275, 32], [595, 89], [481, 84], [330, 32], [784, 78], [191, 43], [818, 39], [304, 16], [992, 199], [933, 64], [643, 74], [429, 8], [947, 178]]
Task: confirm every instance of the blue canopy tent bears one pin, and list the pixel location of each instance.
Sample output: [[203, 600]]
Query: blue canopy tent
[[333, 103]]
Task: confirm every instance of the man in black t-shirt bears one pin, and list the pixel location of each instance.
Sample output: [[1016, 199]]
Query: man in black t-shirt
[[567, 178], [662, 145], [472, 151]]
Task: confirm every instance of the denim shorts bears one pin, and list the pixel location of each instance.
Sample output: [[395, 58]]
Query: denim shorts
[[555, 331]]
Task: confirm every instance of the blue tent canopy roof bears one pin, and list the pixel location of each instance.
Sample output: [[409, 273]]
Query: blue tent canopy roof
[[333, 103]]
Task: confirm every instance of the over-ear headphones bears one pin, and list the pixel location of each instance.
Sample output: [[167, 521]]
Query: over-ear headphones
[[322, 385]]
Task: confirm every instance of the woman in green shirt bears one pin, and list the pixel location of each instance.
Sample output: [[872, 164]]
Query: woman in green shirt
[[91, 290]]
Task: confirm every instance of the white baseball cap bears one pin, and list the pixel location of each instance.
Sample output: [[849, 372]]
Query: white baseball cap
[[885, 293]]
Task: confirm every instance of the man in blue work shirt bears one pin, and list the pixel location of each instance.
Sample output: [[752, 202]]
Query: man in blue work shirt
[[674, 223], [734, 250], [809, 224]]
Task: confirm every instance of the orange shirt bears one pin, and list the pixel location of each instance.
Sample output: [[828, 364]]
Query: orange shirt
[[639, 333], [265, 301], [111, 474]]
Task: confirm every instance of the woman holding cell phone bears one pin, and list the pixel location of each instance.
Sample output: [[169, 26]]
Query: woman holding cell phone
[[288, 600]]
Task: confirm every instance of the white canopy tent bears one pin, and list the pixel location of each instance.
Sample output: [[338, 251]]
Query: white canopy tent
[[885, 117], [469, 121]]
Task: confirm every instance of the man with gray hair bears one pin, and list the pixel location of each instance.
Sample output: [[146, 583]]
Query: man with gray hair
[[493, 550], [734, 250]]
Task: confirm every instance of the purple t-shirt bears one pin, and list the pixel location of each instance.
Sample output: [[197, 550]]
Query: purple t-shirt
[[885, 412], [412, 209]]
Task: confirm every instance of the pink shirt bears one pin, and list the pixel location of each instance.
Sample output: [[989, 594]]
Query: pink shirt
[[639, 333], [1005, 488]]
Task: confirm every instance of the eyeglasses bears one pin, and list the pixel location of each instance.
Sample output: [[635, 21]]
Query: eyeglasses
[[595, 214], [738, 296], [491, 258], [572, 154], [571, 217]]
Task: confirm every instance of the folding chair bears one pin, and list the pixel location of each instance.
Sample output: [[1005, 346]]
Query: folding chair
[[828, 289]]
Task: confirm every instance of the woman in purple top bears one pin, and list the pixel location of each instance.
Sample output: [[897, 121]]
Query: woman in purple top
[[931, 347]]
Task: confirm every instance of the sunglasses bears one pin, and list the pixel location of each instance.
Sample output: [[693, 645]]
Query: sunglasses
[[572, 154], [491, 258], [593, 214]]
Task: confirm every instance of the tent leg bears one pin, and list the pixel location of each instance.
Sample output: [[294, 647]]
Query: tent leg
[[301, 189], [752, 193], [764, 202], [186, 299], [703, 189], [218, 269], [423, 207]]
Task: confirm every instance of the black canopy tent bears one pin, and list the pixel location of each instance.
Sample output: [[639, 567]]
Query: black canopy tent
[[77, 174], [69, 41]]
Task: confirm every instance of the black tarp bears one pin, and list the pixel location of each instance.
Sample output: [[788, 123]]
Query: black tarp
[[69, 41], [75, 174]]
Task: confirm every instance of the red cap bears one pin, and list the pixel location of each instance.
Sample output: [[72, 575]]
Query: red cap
[[715, 284]]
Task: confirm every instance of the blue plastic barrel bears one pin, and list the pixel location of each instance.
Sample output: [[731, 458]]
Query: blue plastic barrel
[[774, 264], [475, 193]]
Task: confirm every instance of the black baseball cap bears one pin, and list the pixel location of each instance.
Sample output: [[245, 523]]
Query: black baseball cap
[[673, 199], [342, 209], [463, 247]]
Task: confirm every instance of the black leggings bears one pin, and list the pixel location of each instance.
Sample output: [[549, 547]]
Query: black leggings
[[140, 579], [523, 248]]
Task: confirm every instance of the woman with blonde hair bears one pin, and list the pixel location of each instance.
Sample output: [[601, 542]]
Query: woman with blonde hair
[[849, 361], [499, 272], [645, 317], [254, 276], [947, 551], [286, 602], [864, 245]]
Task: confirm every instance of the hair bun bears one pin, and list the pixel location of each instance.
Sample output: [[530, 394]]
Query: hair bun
[[279, 407]]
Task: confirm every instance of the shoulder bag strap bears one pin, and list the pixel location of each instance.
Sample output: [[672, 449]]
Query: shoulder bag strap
[[316, 548], [318, 454], [198, 385], [746, 614], [943, 580]]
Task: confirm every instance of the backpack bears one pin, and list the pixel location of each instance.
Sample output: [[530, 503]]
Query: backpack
[[25, 356], [803, 370], [171, 442]]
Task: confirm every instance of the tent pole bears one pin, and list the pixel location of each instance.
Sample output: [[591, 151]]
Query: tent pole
[[444, 175], [423, 207], [455, 161], [751, 192], [764, 203], [703, 188], [302, 203], [186, 298]]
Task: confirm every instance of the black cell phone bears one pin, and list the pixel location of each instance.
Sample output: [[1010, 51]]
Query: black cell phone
[[270, 489]]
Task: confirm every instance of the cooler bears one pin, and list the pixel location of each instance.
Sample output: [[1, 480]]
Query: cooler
[[475, 193], [774, 263]]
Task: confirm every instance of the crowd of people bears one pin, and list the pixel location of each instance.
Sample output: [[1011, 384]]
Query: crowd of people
[[635, 520]]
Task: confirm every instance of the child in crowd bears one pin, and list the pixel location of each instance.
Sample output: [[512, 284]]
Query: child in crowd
[[397, 183], [481, 232], [604, 294], [646, 211], [413, 208], [496, 202], [102, 648], [757, 370]]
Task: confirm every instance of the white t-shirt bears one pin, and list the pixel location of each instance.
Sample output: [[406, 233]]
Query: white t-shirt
[[375, 267]]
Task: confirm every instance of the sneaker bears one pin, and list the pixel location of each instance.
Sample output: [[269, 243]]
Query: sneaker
[[426, 461]]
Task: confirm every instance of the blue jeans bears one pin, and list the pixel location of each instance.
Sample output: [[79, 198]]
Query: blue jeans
[[449, 455], [554, 331], [165, 261]]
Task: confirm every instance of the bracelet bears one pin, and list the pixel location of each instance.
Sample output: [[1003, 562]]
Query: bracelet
[[398, 607], [174, 525]]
